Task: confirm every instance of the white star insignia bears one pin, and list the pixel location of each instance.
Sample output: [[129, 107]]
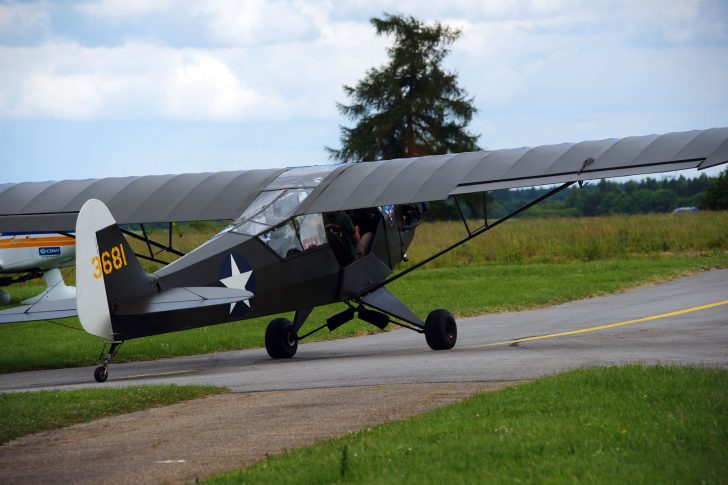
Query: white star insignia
[[236, 280]]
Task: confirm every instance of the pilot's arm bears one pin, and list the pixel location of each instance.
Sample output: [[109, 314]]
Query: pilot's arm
[[356, 236]]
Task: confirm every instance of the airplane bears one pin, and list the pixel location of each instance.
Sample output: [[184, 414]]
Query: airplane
[[284, 250], [32, 255]]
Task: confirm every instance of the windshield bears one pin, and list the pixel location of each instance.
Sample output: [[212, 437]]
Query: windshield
[[269, 209], [280, 199], [301, 177], [297, 235]]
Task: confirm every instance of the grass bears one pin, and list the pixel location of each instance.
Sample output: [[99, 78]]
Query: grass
[[576, 239], [29, 412], [617, 425], [465, 291]]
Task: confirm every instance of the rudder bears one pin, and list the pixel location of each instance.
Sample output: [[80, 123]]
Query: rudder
[[107, 271]]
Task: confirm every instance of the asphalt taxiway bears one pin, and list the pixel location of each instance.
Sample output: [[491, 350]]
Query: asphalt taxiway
[[682, 322]]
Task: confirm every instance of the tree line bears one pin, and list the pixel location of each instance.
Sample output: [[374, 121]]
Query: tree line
[[604, 197]]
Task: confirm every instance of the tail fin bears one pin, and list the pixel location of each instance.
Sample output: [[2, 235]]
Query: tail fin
[[107, 271]]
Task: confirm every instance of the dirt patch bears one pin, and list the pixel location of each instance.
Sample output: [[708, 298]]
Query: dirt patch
[[194, 439]]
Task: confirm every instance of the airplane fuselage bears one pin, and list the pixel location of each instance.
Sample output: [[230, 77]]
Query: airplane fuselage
[[281, 281], [22, 252]]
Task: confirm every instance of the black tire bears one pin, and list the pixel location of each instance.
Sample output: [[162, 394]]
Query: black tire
[[280, 339], [441, 331], [101, 374]]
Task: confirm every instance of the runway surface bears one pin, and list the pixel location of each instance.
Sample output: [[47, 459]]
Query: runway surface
[[681, 322]]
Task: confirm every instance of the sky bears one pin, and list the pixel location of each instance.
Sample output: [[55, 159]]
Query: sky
[[104, 88]]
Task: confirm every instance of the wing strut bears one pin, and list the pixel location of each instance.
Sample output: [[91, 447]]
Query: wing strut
[[151, 242], [474, 233]]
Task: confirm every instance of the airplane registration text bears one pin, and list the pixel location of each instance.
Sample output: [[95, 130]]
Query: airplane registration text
[[109, 261]]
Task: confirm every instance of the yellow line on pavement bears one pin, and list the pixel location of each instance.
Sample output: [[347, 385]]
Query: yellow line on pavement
[[602, 327], [159, 374]]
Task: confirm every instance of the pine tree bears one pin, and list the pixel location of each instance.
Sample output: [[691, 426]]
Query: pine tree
[[410, 106], [715, 196]]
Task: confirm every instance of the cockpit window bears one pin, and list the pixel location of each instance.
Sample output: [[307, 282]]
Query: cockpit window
[[280, 199], [301, 177], [301, 233], [269, 209], [264, 200]]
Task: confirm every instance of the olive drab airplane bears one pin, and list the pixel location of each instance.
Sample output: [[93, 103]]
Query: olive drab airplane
[[290, 245]]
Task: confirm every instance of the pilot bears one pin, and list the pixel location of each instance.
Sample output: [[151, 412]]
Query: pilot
[[355, 244]]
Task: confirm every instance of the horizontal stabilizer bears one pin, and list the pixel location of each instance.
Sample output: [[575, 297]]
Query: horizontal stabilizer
[[184, 298], [43, 310]]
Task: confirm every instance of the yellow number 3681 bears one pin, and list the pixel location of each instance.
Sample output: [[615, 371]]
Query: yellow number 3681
[[109, 261]]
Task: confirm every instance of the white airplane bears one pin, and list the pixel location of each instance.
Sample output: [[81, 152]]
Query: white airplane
[[31, 255]]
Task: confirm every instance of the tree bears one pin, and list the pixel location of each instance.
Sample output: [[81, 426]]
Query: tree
[[715, 196], [410, 106]]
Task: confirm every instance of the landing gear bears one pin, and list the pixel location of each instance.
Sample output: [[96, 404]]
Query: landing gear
[[281, 341], [379, 308], [441, 331], [101, 373]]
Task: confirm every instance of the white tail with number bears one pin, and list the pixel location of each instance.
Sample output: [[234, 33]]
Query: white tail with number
[[91, 301]]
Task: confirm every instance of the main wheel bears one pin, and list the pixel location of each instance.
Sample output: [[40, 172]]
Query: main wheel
[[101, 374], [441, 331], [280, 339]]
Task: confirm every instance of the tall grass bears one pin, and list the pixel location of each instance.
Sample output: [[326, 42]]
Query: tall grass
[[575, 239], [540, 240], [522, 241]]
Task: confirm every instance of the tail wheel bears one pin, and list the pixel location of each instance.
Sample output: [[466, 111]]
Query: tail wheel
[[101, 374], [441, 331], [280, 339]]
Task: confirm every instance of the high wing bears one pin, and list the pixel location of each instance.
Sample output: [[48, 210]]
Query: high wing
[[436, 177], [53, 206]]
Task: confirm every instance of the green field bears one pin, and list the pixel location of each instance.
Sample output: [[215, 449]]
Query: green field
[[616, 425], [521, 264], [30, 412], [576, 239]]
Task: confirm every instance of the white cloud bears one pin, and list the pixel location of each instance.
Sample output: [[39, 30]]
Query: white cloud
[[65, 96], [65, 80], [673, 21], [255, 22], [289, 59], [21, 18], [142, 80], [124, 8], [472, 10], [199, 86]]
